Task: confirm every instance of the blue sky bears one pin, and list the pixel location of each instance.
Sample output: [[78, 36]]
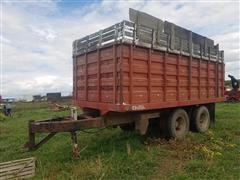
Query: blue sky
[[36, 36]]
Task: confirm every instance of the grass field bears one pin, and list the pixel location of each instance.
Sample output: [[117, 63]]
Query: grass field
[[114, 154]]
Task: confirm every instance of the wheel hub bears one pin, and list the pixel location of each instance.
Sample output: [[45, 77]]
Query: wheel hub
[[203, 120], [180, 125]]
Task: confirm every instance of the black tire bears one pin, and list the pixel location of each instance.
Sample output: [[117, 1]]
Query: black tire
[[178, 124], [201, 119]]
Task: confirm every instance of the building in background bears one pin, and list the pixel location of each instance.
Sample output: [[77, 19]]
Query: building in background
[[26, 98], [55, 96], [37, 98]]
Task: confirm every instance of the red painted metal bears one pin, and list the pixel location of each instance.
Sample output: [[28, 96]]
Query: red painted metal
[[114, 74], [149, 75], [131, 73], [178, 77], [124, 77], [199, 78], [74, 79], [164, 75], [86, 76], [98, 77]]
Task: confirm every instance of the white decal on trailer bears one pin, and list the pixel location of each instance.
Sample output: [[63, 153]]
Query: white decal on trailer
[[138, 107]]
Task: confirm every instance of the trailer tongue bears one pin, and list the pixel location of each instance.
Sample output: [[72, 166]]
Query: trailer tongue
[[54, 126], [139, 75]]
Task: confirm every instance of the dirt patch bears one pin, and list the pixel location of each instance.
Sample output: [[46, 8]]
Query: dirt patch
[[180, 149], [178, 153]]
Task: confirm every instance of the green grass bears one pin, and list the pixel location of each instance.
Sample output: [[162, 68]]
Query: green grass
[[114, 154]]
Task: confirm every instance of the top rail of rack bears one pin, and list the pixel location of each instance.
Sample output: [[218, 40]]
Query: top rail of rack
[[151, 32]]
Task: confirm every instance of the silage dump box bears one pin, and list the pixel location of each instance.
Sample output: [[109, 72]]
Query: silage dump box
[[137, 72]]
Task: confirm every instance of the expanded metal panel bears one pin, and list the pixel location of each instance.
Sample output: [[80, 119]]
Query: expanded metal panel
[[123, 31]]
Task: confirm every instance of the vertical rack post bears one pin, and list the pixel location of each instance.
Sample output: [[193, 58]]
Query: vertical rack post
[[172, 42], [75, 69], [223, 73], [178, 71], [86, 78], [114, 73], [199, 71], [217, 47], [165, 69], [131, 73], [98, 75], [99, 67], [164, 77], [209, 59], [149, 74], [121, 100], [208, 79], [190, 66], [178, 74]]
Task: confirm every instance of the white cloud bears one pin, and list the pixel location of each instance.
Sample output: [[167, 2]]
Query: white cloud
[[47, 34], [37, 37]]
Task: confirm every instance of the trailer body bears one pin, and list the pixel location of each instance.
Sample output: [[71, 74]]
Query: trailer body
[[133, 70]]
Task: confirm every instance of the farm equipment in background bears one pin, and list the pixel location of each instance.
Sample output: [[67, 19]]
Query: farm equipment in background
[[233, 95]]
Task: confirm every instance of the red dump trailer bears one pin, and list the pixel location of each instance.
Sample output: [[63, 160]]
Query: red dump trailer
[[140, 74]]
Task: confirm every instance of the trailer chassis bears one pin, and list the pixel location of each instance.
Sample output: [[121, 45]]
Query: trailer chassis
[[75, 123]]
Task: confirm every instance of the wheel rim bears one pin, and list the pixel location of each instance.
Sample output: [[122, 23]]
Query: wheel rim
[[203, 121], [180, 126]]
